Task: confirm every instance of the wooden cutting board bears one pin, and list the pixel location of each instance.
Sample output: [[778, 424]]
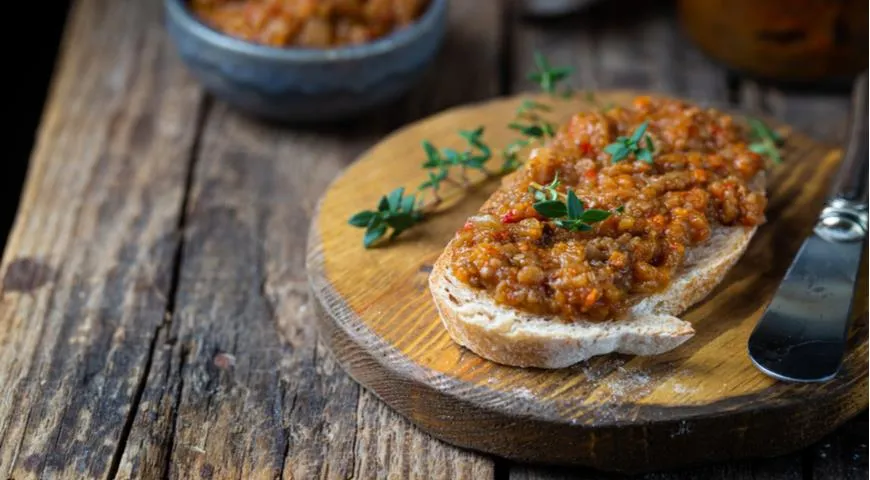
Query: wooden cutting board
[[703, 401]]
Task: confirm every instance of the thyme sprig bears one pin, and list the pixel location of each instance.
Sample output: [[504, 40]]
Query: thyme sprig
[[397, 211], [765, 141], [569, 214], [549, 77], [638, 144]]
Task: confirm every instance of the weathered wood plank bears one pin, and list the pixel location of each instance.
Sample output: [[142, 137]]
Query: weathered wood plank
[[842, 456], [614, 48], [87, 268], [242, 388]]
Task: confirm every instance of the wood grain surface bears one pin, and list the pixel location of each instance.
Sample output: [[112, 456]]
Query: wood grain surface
[[704, 399], [126, 350]]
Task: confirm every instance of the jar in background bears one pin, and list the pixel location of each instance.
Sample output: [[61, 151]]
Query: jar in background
[[795, 41]]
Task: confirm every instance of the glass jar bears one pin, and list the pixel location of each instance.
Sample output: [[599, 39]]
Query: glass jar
[[795, 41]]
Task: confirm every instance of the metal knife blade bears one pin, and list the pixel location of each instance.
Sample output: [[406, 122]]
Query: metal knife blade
[[802, 334]]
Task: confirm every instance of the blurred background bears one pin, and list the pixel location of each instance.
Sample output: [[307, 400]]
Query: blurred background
[[803, 45]]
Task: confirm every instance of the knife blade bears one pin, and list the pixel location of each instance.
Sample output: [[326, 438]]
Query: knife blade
[[801, 336]]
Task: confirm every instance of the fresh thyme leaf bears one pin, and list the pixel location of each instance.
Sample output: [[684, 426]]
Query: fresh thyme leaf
[[571, 214], [548, 129], [401, 221], [551, 208], [638, 133], [530, 106], [528, 130], [434, 181], [548, 77], [433, 158], [394, 199], [594, 215], [362, 219], [623, 147], [475, 161], [620, 209], [373, 234], [408, 204], [575, 206], [766, 141], [472, 136], [617, 151], [451, 156], [384, 204], [761, 130], [645, 155], [616, 148], [758, 148]]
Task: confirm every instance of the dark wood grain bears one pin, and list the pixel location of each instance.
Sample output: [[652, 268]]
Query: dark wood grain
[[242, 388], [88, 266], [154, 316]]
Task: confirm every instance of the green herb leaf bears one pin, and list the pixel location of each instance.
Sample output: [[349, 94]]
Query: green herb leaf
[[645, 155], [548, 77], [362, 219], [758, 148], [638, 133], [617, 151], [517, 145], [594, 215], [373, 234], [551, 208], [408, 204], [472, 136], [476, 161], [620, 209], [615, 148], [575, 206], [451, 156], [384, 204], [400, 221], [394, 199], [527, 130], [433, 158], [623, 147], [529, 105]]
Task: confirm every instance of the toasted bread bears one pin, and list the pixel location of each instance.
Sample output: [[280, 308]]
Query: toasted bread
[[512, 337]]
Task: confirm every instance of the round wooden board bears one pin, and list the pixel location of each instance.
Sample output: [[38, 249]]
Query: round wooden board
[[703, 401]]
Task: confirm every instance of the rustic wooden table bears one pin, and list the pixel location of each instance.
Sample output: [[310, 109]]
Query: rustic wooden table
[[157, 257]]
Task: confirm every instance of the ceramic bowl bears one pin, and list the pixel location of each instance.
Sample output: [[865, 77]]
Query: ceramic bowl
[[304, 84]]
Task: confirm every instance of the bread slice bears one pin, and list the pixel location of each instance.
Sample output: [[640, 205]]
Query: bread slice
[[513, 337]]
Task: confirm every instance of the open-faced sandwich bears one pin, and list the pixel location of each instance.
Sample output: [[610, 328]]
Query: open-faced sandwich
[[618, 225]]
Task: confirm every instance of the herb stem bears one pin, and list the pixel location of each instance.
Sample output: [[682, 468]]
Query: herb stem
[[538, 186]]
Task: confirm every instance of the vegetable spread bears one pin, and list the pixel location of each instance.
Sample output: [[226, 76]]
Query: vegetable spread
[[308, 23], [700, 177]]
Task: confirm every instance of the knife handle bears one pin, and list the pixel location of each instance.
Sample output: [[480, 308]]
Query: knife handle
[[844, 218]]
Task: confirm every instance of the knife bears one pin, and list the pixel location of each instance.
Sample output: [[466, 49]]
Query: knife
[[802, 334]]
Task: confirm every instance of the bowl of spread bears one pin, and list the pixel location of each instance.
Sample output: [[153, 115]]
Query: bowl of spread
[[303, 60]]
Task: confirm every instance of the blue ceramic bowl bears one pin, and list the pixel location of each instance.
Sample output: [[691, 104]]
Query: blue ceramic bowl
[[303, 84]]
